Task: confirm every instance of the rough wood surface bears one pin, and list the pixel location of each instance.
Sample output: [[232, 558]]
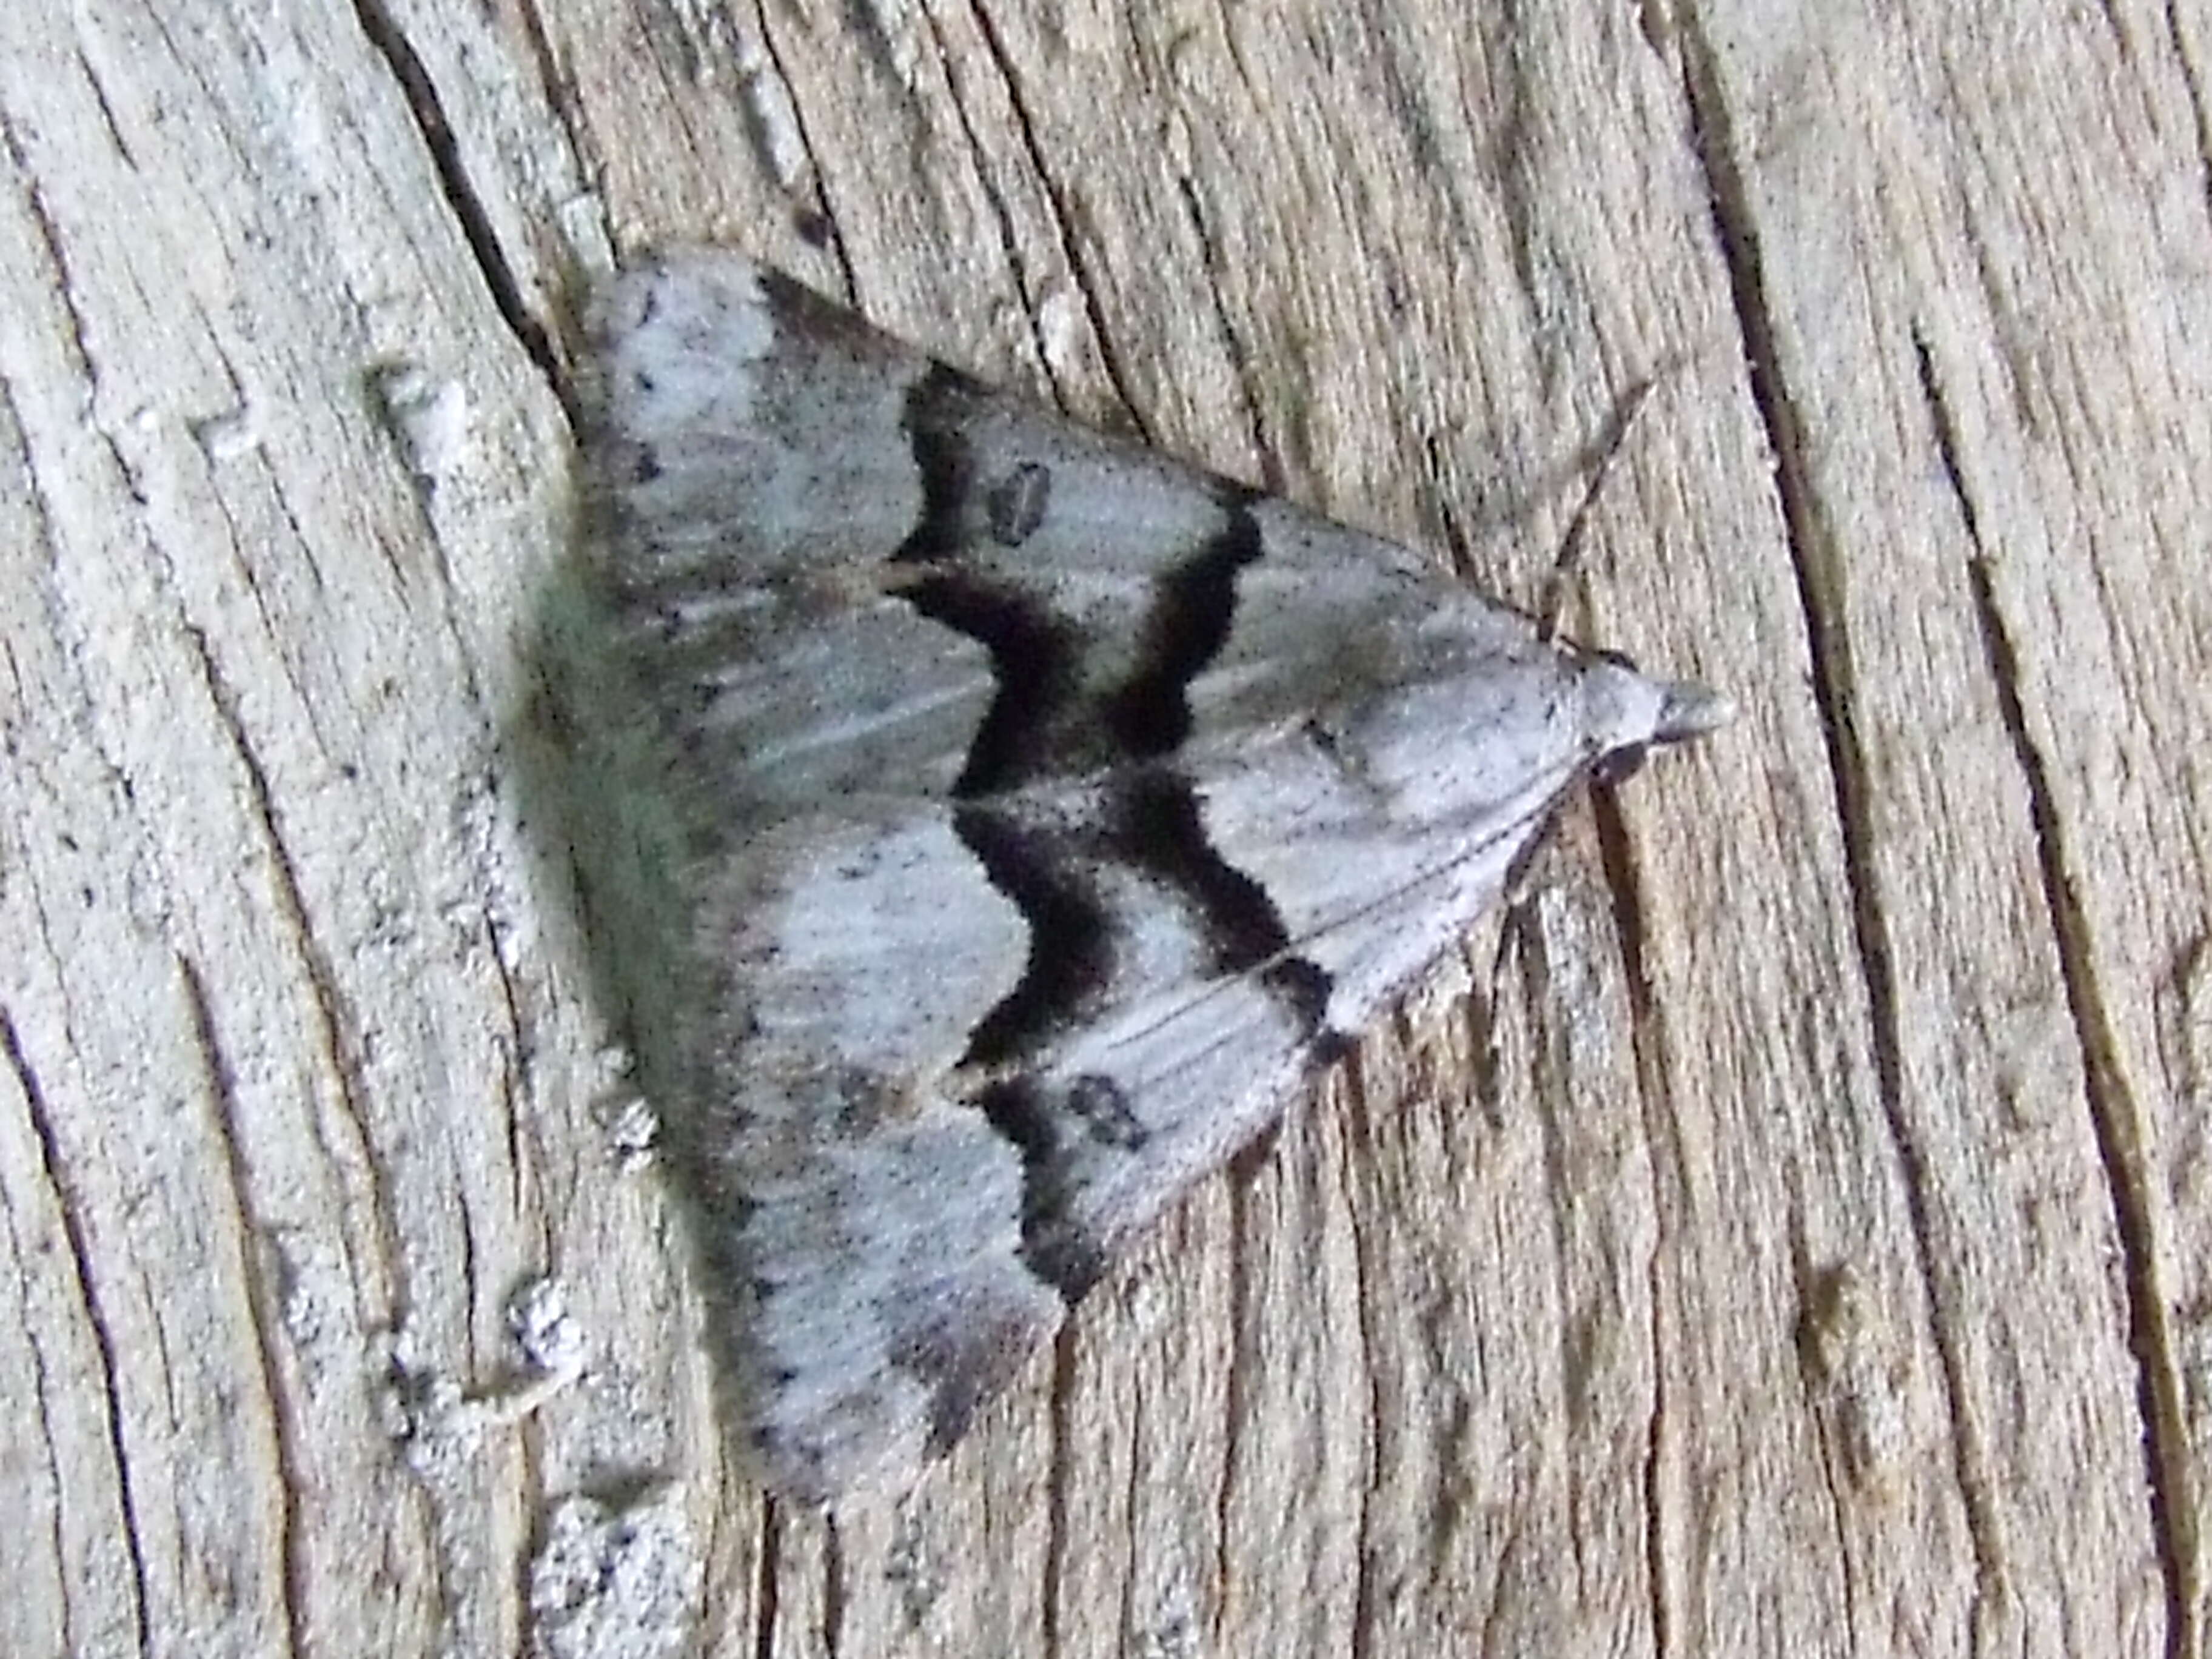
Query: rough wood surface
[[1786, 1233]]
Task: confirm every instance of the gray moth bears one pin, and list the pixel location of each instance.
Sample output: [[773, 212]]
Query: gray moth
[[1050, 812]]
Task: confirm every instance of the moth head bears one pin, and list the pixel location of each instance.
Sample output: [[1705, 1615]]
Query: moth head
[[1684, 711], [1487, 739], [1629, 715]]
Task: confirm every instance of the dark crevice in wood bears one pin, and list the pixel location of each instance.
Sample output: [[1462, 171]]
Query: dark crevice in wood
[[333, 1022], [1058, 1540], [1066, 219], [816, 222], [71, 1209], [1816, 560], [1272, 475], [1002, 215], [835, 1596], [767, 1579], [2115, 1118], [264, 1315], [391, 41], [2185, 60], [1657, 1585]]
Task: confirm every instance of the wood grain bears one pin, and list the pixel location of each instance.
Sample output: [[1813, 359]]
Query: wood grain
[[1785, 1231]]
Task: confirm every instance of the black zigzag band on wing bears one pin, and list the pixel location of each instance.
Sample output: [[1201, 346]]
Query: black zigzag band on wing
[[1072, 934], [1156, 826], [1146, 820], [1054, 1246], [1035, 662], [1149, 824], [1044, 722], [1193, 607]]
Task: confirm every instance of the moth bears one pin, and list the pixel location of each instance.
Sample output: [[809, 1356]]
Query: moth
[[1049, 811]]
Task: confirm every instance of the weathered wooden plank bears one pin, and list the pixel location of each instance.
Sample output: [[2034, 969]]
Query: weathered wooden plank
[[1788, 1235]]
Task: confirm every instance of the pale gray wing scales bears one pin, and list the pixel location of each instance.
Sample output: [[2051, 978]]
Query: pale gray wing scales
[[1183, 1053], [865, 1221], [792, 492], [1323, 868], [1053, 807]]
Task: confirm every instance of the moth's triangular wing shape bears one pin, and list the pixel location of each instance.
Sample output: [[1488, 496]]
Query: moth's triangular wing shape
[[1048, 807]]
